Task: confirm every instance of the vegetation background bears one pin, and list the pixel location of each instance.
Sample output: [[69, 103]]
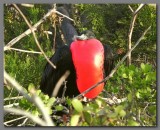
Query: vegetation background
[[135, 83]]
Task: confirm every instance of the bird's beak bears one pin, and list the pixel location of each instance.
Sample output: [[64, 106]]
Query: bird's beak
[[82, 37]]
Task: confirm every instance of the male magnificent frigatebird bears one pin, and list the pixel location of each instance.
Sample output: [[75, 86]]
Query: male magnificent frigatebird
[[86, 59]]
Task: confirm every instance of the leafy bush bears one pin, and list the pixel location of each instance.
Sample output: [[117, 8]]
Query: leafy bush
[[110, 23]]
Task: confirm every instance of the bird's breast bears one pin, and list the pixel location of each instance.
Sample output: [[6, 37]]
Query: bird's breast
[[88, 59]]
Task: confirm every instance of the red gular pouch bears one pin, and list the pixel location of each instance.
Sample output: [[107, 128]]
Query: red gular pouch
[[88, 59]]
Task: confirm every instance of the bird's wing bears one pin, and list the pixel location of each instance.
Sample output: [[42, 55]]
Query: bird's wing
[[63, 61], [108, 59]]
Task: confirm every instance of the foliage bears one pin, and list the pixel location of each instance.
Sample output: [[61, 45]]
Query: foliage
[[138, 84], [31, 107], [110, 23]]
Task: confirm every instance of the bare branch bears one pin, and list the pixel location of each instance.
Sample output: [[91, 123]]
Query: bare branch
[[115, 69], [139, 8], [113, 100], [28, 5], [44, 110], [131, 29], [24, 50], [27, 114], [27, 32], [14, 120], [130, 8], [34, 35], [34, 28], [59, 83], [35, 99], [11, 105], [16, 85], [64, 15], [24, 122], [13, 98]]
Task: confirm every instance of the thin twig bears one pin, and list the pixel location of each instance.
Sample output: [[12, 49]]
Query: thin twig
[[34, 27], [27, 114], [64, 15], [16, 85], [24, 50], [35, 99], [34, 35], [13, 98], [23, 123], [59, 83], [130, 8], [113, 100], [15, 120], [134, 13], [42, 108], [11, 105], [28, 5], [115, 69], [139, 8]]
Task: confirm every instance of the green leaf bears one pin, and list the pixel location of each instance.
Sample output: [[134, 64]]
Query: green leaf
[[51, 101], [87, 117], [59, 108], [112, 115], [31, 86], [75, 120], [69, 102], [122, 113], [124, 75], [137, 94], [142, 66], [129, 97], [146, 67], [118, 109], [77, 105], [132, 123]]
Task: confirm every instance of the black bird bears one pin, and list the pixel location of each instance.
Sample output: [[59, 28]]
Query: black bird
[[74, 57]]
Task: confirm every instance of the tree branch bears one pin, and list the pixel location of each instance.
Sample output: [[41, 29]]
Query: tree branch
[[115, 69], [24, 50], [34, 27], [13, 98], [34, 35], [34, 98], [134, 13], [27, 114], [14, 120]]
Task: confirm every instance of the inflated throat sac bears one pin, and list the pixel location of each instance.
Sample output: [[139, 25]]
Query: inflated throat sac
[[88, 59]]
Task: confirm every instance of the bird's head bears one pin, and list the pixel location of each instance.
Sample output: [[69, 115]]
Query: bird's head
[[85, 35]]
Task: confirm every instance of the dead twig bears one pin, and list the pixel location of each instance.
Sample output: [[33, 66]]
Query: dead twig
[[27, 114], [13, 98], [34, 28], [11, 105], [59, 83], [10, 121], [24, 122], [34, 35], [34, 98], [134, 13], [25, 50], [115, 69], [28, 5]]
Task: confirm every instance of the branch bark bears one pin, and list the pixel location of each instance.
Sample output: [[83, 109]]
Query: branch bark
[[27, 114], [20, 50], [34, 35], [134, 13], [34, 28], [34, 98]]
